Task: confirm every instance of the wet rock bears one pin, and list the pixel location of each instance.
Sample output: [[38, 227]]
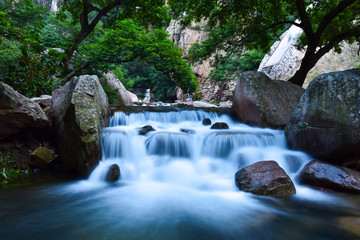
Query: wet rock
[[18, 112], [265, 178], [220, 125], [144, 130], [326, 122], [325, 175], [262, 102], [41, 157], [189, 131], [81, 110], [206, 122], [113, 173]]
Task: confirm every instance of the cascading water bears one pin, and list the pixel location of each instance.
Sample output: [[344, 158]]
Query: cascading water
[[182, 151], [177, 182]]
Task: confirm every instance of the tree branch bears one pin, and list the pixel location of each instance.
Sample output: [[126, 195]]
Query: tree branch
[[305, 23], [74, 72], [332, 14]]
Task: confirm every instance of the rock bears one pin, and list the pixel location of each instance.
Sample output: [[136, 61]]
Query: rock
[[265, 178], [262, 102], [206, 122], [113, 174], [144, 130], [133, 97], [41, 157], [185, 37], [123, 98], [201, 104], [212, 91], [18, 112], [325, 175], [285, 59], [326, 122], [44, 101], [81, 110], [189, 131], [220, 125]]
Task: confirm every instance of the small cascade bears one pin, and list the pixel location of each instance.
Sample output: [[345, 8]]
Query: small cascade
[[182, 151]]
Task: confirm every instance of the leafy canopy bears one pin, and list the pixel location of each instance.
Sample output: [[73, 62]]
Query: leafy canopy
[[255, 24]]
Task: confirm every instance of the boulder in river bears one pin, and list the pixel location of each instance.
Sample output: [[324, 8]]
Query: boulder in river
[[325, 175], [145, 129], [220, 125], [262, 102], [81, 110], [18, 112], [113, 174], [206, 122], [265, 178], [326, 122]]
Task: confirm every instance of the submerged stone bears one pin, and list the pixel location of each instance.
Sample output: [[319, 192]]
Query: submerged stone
[[144, 130], [206, 122]]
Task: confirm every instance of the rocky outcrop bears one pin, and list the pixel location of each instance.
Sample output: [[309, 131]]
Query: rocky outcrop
[[18, 112], [81, 110], [285, 59], [222, 92], [185, 37], [220, 125], [265, 178], [326, 122], [122, 98], [324, 175], [260, 101]]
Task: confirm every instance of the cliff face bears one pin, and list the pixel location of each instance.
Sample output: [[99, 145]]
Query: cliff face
[[52, 5], [185, 37], [284, 59]]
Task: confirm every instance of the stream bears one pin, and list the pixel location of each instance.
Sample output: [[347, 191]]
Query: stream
[[177, 182]]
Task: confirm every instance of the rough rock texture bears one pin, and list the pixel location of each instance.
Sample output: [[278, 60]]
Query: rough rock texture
[[41, 157], [18, 112], [113, 174], [185, 37], [284, 59], [326, 122], [123, 98], [201, 104], [81, 110], [324, 175], [265, 178], [212, 91], [260, 101]]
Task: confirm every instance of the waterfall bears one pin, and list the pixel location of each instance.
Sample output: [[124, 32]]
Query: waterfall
[[182, 151]]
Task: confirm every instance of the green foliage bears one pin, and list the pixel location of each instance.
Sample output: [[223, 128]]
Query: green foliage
[[128, 41], [121, 73], [24, 62], [247, 24], [147, 76], [111, 94], [248, 61], [9, 171]]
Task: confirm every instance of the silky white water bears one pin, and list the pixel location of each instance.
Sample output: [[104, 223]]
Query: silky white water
[[177, 183], [183, 152]]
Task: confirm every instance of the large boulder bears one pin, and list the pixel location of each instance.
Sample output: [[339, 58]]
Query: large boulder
[[81, 110], [122, 97], [262, 102], [324, 175], [18, 112], [326, 122], [265, 178]]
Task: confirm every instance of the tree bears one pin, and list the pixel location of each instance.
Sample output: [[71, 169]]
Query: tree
[[255, 24], [127, 41], [89, 13]]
